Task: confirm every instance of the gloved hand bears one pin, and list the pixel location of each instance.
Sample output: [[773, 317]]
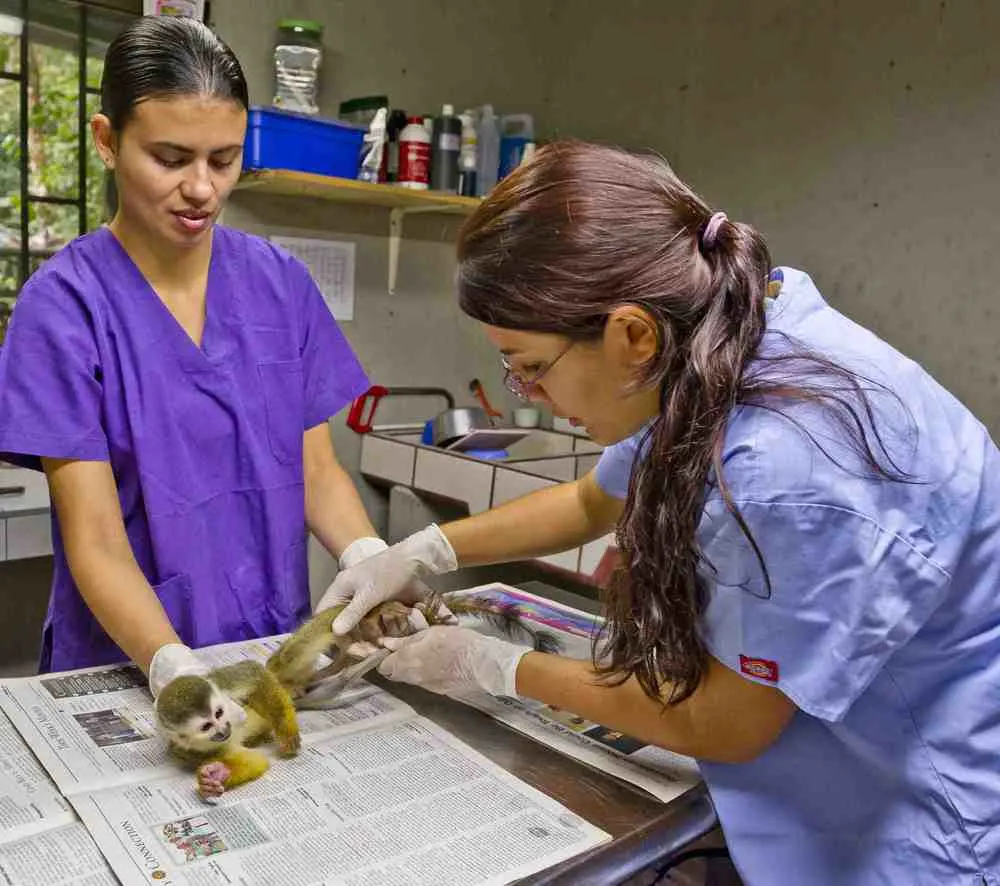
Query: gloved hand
[[393, 574], [170, 661], [361, 549], [452, 661]]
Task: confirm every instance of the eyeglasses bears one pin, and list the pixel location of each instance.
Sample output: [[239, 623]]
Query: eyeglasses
[[521, 387]]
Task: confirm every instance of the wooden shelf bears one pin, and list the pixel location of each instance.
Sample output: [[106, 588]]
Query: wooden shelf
[[288, 183]]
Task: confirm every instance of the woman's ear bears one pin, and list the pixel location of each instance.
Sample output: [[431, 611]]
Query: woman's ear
[[104, 139], [631, 337]]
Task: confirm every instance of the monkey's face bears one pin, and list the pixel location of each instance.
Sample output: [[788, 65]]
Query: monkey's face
[[209, 729]]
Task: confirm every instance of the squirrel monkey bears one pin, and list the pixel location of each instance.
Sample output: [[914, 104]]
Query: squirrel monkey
[[212, 721]]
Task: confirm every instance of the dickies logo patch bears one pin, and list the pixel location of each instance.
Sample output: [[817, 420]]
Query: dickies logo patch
[[761, 668]]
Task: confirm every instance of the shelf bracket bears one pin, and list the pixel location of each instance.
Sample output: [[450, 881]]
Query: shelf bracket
[[396, 217]]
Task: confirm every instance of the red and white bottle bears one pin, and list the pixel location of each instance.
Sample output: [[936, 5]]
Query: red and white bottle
[[414, 155]]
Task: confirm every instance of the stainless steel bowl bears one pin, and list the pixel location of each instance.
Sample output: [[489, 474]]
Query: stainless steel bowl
[[452, 424]]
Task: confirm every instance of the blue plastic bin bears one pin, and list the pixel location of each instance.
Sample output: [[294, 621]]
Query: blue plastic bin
[[282, 140]]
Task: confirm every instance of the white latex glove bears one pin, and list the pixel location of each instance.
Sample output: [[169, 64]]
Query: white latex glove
[[361, 549], [453, 661], [170, 661], [393, 574]]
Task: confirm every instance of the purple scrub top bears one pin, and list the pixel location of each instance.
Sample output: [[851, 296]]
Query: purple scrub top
[[205, 442]]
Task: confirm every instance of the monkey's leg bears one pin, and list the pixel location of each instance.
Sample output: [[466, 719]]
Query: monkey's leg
[[273, 703], [340, 661], [295, 660], [255, 730], [325, 693]]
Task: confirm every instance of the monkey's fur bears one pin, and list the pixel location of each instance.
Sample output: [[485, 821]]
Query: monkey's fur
[[294, 663], [212, 722]]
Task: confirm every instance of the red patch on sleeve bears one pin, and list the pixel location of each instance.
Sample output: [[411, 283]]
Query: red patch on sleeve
[[761, 668]]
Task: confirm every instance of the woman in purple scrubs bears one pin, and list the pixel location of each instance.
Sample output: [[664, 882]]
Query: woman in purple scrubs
[[173, 378]]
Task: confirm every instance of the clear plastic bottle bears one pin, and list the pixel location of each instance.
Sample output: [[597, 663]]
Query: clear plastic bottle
[[488, 145], [298, 53]]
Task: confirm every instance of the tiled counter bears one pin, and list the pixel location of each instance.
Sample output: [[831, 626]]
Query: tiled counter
[[25, 524], [545, 458]]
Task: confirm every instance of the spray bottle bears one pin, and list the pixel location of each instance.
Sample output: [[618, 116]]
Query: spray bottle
[[467, 158]]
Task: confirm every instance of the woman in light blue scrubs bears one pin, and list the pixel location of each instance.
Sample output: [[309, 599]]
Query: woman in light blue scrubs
[[809, 527]]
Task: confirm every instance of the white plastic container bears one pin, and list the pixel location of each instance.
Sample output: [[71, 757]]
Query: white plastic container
[[414, 155], [468, 156]]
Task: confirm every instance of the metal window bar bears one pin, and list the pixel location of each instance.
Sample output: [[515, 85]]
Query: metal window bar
[[27, 198], [23, 143], [81, 119]]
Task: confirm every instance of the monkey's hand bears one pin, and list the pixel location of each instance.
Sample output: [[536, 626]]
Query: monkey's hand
[[212, 779], [289, 743]]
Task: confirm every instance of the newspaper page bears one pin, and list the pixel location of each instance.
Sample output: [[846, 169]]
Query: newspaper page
[[29, 802], [95, 727], [399, 804], [41, 841], [663, 774], [58, 857]]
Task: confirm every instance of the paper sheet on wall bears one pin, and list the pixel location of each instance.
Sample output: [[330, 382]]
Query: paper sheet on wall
[[331, 263]]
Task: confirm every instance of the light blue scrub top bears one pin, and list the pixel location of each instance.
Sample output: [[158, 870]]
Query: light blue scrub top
[[882, 624]]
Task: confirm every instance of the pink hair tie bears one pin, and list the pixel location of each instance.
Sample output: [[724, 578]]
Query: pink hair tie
[[712, 230]]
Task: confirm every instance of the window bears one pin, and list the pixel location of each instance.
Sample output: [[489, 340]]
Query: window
[[53, 186]]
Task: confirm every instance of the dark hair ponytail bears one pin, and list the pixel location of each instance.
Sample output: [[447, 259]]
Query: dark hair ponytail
[[653, 631], [159, 56], [560, 244]]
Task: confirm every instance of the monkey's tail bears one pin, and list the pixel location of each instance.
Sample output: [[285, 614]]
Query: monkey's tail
[[508, 619]]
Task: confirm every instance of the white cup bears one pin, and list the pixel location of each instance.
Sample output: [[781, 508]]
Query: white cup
[[527, 417]]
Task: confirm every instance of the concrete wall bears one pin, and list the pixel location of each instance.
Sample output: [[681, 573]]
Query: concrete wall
[[420, 55], [415, 337], [860, 137]]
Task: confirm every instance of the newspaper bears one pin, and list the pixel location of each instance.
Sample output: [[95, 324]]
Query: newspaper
[[41, 841], [377, 795], [62, 856], [95, 728], [663, 774], [398, 805]]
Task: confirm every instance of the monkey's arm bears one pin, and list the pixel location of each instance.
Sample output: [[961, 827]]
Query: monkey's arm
[[271, 701], [234, 767], [244, 765]]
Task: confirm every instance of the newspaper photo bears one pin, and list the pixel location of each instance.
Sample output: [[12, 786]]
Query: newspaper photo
[[661, 773]]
